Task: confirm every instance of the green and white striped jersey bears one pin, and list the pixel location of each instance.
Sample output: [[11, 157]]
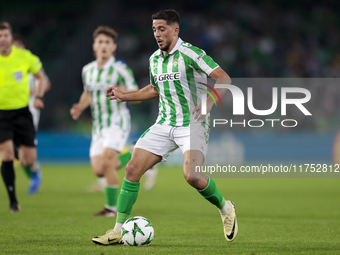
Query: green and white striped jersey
[[114, 73], [175, 77]]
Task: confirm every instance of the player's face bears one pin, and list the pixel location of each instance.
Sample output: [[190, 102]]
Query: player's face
[[104, 46], [5, 39], [164, 33]]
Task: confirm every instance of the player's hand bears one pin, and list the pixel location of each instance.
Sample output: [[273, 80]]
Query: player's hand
[[38, 104], [75, 111], [114, 93], [197, 111]]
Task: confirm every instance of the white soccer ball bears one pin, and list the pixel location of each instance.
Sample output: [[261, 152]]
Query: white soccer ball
[[137, 231]]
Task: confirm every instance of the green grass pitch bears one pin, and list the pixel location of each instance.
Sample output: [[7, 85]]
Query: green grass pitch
[[275, 216]]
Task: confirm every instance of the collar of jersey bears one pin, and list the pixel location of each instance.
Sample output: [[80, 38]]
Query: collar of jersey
[[7, 58], [178, 44], [108, 63]]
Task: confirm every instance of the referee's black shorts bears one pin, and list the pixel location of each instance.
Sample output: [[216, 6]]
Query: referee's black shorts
[[17, 125]]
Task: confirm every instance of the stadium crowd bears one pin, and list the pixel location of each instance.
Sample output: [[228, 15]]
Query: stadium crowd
[[258, 38]]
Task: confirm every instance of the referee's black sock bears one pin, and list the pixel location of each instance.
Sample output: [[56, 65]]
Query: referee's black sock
[[7, 172]]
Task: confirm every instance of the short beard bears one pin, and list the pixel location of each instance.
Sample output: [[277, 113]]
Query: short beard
[[166, 47], [5, 50]]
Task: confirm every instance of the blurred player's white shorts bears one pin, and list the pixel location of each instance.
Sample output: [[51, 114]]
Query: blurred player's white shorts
[[161, 139], [35, 115], [113, 137]]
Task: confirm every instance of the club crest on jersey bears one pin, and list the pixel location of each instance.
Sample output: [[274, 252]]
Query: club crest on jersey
[[167, 77], [18, 76], [175, 62], [186, 44]]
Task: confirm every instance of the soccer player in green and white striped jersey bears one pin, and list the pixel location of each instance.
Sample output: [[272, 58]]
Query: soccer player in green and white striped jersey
[[179, 124], [110, 119]]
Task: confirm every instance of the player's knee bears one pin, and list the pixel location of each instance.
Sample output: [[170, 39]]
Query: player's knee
[[6, 153], [192, 180], [132, 171], [7, 156], [130, 168], [27, 156], [99, 169], [99, 173], [27, 160]]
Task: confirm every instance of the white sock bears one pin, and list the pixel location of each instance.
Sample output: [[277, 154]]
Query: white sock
[[35, 167], [112, 208], [118, 225], [101, 181], [225, 208]]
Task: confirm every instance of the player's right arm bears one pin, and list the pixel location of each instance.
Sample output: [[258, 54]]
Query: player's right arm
[[41, 79], [84, 102], [146, 93]]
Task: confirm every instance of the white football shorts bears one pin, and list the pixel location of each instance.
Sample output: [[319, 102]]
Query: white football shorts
[[162, 139], [35, 114], [114, 137]]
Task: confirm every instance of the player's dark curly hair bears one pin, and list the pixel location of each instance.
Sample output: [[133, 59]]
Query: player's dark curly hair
[[170, 16]]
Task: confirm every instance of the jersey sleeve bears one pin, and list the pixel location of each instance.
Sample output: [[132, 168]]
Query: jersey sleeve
[[200, 60], [34, 63], [152, 80], [126, 78], [205, 64], [83, 77]]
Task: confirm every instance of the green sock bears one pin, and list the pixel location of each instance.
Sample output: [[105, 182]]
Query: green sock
[[212, 194], [111, 195], [27, 170], [124, 158], [126, 199]]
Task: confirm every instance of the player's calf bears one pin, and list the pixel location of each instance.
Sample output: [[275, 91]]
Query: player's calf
[[27, 155]]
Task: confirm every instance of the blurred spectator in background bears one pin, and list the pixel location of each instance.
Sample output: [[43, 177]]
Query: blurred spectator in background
[[248, 38]]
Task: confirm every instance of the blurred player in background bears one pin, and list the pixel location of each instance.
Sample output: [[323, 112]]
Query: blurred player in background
[[179, 124], [16, 123], [33, 172], [110, 119], [123, 159]]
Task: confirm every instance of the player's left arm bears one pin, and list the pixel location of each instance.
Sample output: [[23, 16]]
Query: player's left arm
[[125, 90], [42, 81], [221, 77]]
